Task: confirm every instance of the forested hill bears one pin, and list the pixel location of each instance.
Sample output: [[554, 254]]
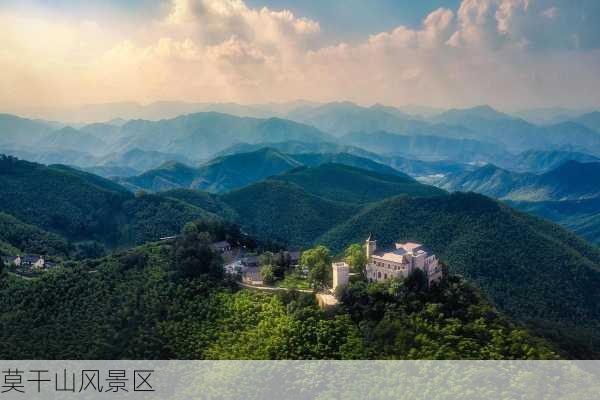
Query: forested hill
[[17, 237], [531, 269], [171, 301], [353, 185], [83, 206]]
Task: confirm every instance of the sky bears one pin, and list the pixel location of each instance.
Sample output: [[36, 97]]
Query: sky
[[511, 54]]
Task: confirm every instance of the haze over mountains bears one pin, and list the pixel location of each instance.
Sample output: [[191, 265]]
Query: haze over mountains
[[170, 145]]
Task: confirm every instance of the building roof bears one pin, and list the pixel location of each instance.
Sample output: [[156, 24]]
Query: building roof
[[396, 255], [409, 246], [402, 249]]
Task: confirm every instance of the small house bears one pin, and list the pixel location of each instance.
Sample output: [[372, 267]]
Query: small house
[[11, 260], [32, 261]]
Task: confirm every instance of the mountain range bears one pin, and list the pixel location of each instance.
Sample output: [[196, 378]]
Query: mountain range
[[569, 181], [240, 169]]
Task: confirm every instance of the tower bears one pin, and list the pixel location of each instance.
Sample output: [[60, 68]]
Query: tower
[[341, 272], [370, 246]]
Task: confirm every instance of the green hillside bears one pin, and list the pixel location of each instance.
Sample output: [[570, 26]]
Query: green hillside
[[82, 206], [59, 199], [571, 180], [580, 216], [17, 237], [520, 262], [219, 175], [204, 200], [353, 185], [284, 212], [316, 159], [135, 305]]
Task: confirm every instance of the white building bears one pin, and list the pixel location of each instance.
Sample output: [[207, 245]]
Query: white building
[[400, 262], [341, 272]]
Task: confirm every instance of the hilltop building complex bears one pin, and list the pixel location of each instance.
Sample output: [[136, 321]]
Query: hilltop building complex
[[398, 262]]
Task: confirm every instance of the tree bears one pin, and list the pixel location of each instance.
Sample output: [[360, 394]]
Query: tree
[[356, 257], [267, 274], [416, 281], [318, 262], [193, 256]]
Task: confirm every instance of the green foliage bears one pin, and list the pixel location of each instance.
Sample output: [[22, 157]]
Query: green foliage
[[356, 257], [262, 326], [128, 305], [318, 262], [449, 321], [531, 269], [18, 236], [267, 274], [353, 185], [283, 212], [192, 256], [84, 207]]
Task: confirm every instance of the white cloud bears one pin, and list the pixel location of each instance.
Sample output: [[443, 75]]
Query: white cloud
[[507, 53]]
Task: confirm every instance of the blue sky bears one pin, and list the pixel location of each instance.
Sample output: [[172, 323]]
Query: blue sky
[[352, 20], [347, 20]]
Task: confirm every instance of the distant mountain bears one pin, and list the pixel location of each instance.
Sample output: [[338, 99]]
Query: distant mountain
[[426, 147], [420, 111], [426, 169], [570, 135], [353, 185], [489, 180], [490, 125], [17, 131], [106, 132], [542, 161], [519, 135], [140, 160], [316, 159], [115, 113], [201, 135], [219, 175], [547, 116], [590, 120], [579, 216], [570, 181], [298, 147], [341, 118], [68, 138], [326, 150]]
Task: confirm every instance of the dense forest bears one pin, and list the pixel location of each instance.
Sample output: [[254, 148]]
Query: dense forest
[[173, 301], [531, 270]]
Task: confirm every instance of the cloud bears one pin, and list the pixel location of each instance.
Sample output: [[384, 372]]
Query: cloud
[[509, 53]]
